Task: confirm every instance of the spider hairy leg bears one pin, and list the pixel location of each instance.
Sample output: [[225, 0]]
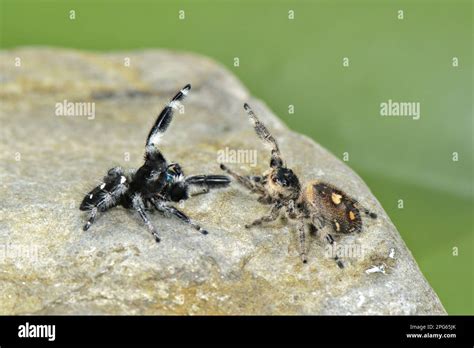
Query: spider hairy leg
[[302, 240], [369, 213], [164, 118], [207, 182], [243, 180], [264, 134], [272, 216], [167, 209], [329, 238], [91, 220], [139, 206]]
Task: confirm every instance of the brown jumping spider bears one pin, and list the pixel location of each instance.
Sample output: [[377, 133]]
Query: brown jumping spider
[[319, 205]]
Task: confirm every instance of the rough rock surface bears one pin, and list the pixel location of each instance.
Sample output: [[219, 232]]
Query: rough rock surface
[[48, 265]]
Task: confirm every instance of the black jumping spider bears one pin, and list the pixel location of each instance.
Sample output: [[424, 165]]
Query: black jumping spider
[[318, 205], [156, 182]]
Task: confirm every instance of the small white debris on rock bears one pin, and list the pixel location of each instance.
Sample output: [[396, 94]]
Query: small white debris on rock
[[392, 253], [376, 269]]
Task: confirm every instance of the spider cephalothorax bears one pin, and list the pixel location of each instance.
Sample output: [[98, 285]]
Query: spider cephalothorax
[[154, 184], [318, 206]]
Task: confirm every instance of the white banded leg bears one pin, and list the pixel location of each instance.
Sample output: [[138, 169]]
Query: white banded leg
[[140, 208], [302, 241]]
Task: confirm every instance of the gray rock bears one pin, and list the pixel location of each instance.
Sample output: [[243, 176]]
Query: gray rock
[[50, 266]]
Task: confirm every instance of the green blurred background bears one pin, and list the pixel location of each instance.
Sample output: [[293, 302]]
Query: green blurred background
[[299, 62]]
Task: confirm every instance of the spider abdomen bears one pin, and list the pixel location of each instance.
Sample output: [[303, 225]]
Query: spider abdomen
[[105, 195], [337, 209]]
